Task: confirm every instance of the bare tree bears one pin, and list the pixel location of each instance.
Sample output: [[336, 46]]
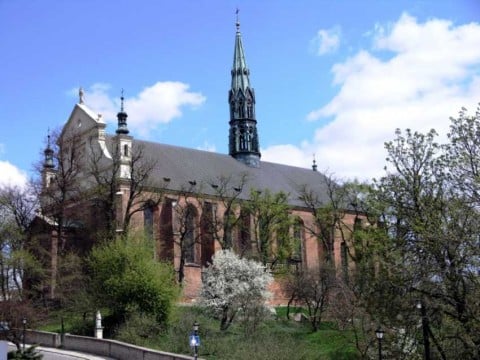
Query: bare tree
[[312, 288], [227, 191], [120, 193], [64, 159]]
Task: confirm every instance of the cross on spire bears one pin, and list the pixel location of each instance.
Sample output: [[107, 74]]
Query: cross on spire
[[237, 23]]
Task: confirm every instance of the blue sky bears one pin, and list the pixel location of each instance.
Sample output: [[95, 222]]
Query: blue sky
[[332, 78]]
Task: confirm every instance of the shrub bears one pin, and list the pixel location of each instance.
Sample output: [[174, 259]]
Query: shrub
[[232, 285], [126, 279]]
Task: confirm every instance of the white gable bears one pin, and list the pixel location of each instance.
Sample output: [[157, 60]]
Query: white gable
[[82, 120], [84, 123]]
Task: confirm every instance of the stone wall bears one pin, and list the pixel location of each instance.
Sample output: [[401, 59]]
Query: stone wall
[[101, 347]]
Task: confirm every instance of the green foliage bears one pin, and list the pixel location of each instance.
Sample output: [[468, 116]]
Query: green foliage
[[72, 284], [274, 339], [424, 247], [139, 329], [273, 221], [30, 353], [126, 279]]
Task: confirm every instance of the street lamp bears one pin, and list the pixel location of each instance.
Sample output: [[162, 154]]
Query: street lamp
[[425, 329], [195, 340], [24, 323], [379, 334]]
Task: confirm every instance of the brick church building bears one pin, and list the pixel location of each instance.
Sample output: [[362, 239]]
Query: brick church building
[[190, 202]]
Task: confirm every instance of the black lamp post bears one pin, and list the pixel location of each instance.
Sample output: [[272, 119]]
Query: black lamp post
[[24, 323], [425, 329], [195, 340], [379, 334]]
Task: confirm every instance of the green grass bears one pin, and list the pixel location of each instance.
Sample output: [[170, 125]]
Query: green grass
[[275, 338]]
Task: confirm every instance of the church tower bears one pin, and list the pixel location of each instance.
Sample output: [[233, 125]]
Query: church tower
[[124, 142], [243, 137], [48, 171]]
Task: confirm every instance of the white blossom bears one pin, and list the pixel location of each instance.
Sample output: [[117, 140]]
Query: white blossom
[[231, 283]]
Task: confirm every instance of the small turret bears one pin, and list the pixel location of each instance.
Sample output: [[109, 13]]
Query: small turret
[[123, 143], [122, 119], [48, 171], [48, 152]]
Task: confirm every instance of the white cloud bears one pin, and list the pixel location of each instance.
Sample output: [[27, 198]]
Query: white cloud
[[207, 147], [287, 154], [157, 104], [432, 69], [11, 175], [326, 41]]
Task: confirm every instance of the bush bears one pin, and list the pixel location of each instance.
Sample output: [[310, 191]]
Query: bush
[[126, 279], [232, 285], [139, 329], [30, 353]]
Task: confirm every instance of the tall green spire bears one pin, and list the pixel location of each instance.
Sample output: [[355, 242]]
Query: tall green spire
[[243, 137], [240, 72]]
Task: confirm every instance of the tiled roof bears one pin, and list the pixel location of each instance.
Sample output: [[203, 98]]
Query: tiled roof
[[183, 166]]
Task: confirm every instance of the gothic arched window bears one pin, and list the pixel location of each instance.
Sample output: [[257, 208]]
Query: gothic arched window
[[148, 220], [190, 234], [298, 235]]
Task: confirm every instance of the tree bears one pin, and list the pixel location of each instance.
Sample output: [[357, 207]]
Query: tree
[[125, 278], [232, 285], [424, 249], [187, 229], [312, 288], [17, 264], [271, 226], [205, 214], [329, 208], [60, 182], [120, 193], [226, 191]]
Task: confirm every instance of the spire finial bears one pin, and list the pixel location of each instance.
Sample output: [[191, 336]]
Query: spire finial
[[314, 165], [48, 138], [121, 103], [237, 23], [80, 95]]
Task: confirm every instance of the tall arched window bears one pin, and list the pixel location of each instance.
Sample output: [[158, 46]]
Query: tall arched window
[[148, 220], [344, 256], [298, 235], [190, 234], [243, 244], [165, 242], [228, 223]]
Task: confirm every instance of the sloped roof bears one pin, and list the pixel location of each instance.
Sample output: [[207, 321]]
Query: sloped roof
[[181, 166]]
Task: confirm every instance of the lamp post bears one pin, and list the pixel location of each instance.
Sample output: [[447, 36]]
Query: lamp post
[[379, 334], [426, 338], [195, 340], [24, 323]]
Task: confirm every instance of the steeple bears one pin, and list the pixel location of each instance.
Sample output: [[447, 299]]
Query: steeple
[[122, 119], [48, 152], [48, 172], [243, 137]]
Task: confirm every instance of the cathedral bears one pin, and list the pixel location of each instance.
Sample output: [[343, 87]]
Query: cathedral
[[192, 203]]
